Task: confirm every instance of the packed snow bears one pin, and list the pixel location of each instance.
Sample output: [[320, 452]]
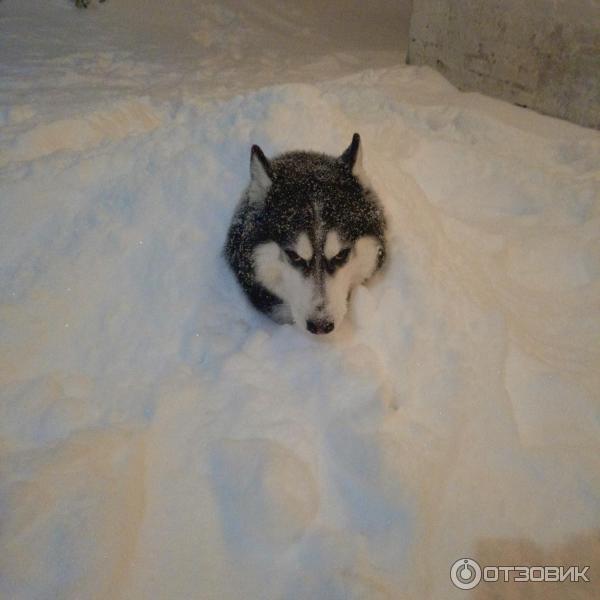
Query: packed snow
[[161, 439]]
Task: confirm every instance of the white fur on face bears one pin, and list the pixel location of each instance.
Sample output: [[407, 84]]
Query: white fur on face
[[279, 277], [303, 247], [360, 266], [366, 255], [332, 244], [267, 265], [304, 298]]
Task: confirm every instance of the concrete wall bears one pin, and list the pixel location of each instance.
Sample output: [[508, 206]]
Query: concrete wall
[[544, 54]]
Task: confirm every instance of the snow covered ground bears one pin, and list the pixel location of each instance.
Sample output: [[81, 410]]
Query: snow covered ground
[[160, 439]]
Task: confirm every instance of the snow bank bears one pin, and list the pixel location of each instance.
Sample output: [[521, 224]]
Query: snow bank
[[161, 439]]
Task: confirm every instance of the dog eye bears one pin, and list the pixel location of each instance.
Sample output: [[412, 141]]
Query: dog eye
[[341, 257], [295, 257]]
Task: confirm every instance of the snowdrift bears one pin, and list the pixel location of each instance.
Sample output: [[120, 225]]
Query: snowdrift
[[160, 439]]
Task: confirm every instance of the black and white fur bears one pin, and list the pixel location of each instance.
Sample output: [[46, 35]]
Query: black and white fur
[[307, 230]]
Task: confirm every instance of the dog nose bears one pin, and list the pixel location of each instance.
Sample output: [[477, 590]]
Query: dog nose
[[320, 326]]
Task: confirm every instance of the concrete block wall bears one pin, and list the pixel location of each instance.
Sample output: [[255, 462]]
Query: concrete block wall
[[544, 54]]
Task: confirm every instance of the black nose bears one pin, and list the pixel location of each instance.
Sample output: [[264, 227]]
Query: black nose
[[319, 326]]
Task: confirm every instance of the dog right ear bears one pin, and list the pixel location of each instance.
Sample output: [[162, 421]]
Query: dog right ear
[[261, 174]]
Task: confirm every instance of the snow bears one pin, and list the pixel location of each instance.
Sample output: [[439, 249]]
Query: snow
[[161, 439]]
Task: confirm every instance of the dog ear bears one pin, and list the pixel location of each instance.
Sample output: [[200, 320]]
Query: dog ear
[[261, 174], [352, 156]]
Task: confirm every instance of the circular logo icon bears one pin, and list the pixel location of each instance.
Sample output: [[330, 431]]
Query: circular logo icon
[[465, 573]]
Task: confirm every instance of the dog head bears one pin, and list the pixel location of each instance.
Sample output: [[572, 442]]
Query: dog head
[[322, 232]]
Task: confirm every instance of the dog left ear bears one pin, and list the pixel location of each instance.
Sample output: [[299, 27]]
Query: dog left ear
[[352, 156], [261, 175]]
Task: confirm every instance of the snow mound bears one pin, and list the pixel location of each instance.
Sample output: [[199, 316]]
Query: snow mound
[[161, 439]]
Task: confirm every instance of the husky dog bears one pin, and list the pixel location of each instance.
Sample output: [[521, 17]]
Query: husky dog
[[307, 230]]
